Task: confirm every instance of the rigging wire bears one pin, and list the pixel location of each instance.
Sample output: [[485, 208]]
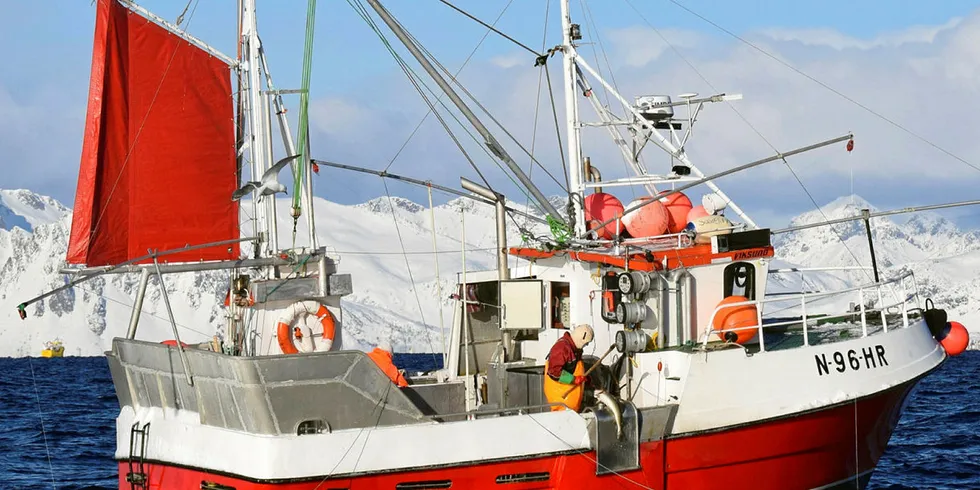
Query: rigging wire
[[460, 70], [484, 24], [537, 106], [418, 83], [408, 266], [593, 31], [487, 112], [142, 313], [132, 146], [302, 143], [40, 416], [826, 86], [752, 127], [585, 455], [554, 115]]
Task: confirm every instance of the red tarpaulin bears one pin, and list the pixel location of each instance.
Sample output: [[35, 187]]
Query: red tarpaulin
[[158, 159]]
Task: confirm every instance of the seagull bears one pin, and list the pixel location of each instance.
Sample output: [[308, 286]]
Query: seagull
[[268, 185]]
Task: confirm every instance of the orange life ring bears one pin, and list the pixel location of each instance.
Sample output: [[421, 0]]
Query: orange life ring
[[287, 334]]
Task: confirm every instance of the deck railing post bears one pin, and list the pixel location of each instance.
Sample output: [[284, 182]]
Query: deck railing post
[[864, 320], [881, 306], [806, 337], [758, 316], [905, 303]]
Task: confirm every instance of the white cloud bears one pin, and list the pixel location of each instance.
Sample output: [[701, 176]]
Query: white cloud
[[642, 45], [924, 78], [40, 139], [337, 117], [890, 167], [837, 40]]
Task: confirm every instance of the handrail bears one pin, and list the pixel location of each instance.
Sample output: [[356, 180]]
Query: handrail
[[803, 298], [519, 411]]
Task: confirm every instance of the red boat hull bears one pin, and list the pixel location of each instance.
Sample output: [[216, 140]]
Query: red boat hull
[[833, 447]]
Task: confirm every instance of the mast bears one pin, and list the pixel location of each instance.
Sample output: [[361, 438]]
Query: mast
[[257, 138], [570, 32]]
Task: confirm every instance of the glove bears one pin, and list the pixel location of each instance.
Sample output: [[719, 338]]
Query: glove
[[580, 379]]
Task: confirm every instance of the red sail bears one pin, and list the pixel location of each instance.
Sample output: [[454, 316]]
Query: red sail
[[158, 159]]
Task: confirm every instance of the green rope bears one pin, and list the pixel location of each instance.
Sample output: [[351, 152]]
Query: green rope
[[304, 103], [289, 276], [558, 230]]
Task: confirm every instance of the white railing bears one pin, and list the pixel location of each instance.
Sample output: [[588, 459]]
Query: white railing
[[669, 241], [903, 287]]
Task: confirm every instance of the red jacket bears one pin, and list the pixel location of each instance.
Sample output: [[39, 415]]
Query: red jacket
[[384, 361], [563, 356]]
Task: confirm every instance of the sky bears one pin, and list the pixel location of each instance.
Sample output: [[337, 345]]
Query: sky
[[909, 72]]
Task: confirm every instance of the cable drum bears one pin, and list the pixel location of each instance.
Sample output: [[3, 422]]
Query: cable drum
[[634, 282], [627, 313], [631, 341]]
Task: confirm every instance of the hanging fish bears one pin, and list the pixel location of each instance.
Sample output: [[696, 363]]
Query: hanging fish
[[604, 398]]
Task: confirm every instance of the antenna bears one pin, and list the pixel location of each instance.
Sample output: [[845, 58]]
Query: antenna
[[572, 32]]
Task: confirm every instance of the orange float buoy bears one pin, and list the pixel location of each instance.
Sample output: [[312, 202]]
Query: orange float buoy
[[650, 220], [678, 206], [954, 338], [736, 317], [696, 212], [601, 207]]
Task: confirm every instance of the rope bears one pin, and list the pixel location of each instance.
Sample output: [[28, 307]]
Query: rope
[[484, 24], [435, 257], [299, 167], [288, 278], [586, 456], [554, 114], [558, 230], [40, 416], [826, 86], [592, 31], [408, 266], [460, 70], [487, 112], [750, 125], [417, 83], [534, 126], [129, 151]]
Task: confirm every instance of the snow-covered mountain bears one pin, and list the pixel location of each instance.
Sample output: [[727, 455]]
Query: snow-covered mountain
[[943, 258], [364, 239], [368, 243]]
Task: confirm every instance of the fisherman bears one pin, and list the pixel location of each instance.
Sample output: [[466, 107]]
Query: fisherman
[[564, 369], [382, 356]]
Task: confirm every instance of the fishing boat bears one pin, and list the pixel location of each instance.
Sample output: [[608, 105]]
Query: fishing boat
[[53, 348], [703, 380]]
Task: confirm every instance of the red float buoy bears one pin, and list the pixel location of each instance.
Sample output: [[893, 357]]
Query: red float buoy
[[695, 213], [600, 207], [678, 206], [650, 220], [954, 338], [736, 317]]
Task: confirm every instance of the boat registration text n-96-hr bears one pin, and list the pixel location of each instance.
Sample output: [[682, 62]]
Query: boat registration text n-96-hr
[[851, 359]]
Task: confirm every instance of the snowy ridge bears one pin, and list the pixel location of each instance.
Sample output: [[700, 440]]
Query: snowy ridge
[[942, 257], [367, 243], [363, 238]]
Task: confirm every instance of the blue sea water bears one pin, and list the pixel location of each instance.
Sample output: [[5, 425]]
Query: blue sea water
[[936, 444]]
